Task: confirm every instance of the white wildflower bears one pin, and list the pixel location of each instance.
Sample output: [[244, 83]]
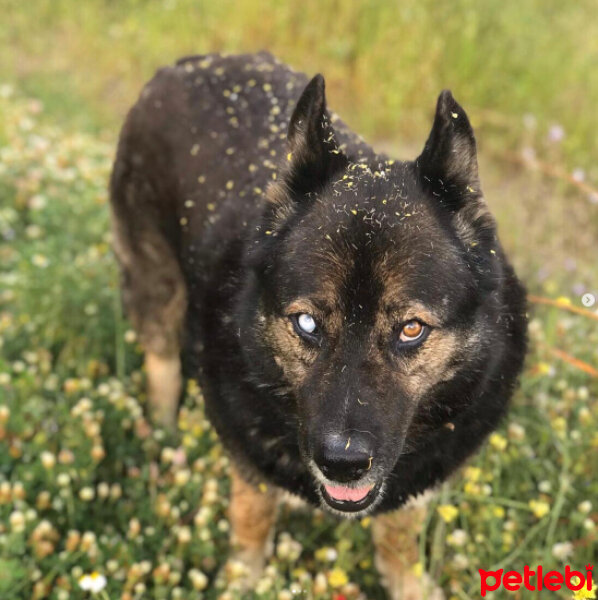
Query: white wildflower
[[562, 550], [94, 583]]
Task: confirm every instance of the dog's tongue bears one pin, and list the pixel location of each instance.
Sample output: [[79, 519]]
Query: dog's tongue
[[344, 493]]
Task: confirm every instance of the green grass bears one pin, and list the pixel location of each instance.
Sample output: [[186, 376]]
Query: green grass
[[385, 61], [86, 484]]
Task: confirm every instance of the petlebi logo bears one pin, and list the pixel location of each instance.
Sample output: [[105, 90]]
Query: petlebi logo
[[581, 584]]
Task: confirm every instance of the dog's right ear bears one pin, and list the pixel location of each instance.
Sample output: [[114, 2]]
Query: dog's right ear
[[448, 168], [313, 152], [448, 165]]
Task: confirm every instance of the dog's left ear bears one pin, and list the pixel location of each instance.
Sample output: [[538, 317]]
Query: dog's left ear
[[314, 154], [448, 164]]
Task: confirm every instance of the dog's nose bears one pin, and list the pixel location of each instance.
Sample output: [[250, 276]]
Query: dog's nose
[[344, 458]]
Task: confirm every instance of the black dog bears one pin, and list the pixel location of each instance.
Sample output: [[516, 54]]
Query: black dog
[[353, 321]]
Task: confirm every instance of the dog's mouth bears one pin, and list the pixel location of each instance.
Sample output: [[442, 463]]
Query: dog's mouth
[[349, 499]]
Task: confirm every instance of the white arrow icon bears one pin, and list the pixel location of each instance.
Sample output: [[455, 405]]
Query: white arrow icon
[[588, 300]]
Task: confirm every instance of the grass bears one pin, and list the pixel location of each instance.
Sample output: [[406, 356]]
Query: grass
[[86, 484], [385, 61]]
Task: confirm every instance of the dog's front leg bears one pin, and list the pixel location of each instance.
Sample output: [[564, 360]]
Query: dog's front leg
[[164, 382], [395, 537], [252, 514]]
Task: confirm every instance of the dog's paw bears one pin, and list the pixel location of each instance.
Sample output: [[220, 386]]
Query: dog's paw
[[412, 587], [243, 569]]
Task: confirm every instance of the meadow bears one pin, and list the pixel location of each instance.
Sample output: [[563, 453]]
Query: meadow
[[97, 502]]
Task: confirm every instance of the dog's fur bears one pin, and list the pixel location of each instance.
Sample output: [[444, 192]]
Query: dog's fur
[[240, 202]]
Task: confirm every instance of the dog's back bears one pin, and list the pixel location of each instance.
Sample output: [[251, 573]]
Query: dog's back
[[203, 141], [195, 153]]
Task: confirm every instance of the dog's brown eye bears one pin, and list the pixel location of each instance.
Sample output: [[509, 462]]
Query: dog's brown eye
[[411, 331]]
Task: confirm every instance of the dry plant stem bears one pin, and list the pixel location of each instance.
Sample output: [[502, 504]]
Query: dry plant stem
[[574, 362], [584, 312], [552, 171]]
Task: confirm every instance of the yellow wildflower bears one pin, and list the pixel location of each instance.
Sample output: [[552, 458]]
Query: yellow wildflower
[[326, 554], [583, 593], [337, 578], [497, 441], [472, 473], [543, 368], [448, 512], [472, 488], [539, 508], [559, 424]]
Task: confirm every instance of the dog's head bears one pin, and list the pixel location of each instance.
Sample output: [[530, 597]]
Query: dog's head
[[370, 281]]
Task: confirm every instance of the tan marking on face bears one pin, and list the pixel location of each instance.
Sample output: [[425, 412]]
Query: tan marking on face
[[301, 305], [323, 307], [290, 352], [430, 364], [393, 314], [412, 311], [416, 372]]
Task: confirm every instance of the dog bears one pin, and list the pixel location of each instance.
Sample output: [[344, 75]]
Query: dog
[[353, 321]]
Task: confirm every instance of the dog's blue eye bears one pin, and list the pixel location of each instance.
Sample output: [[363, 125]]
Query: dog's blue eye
[[306, 323]]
